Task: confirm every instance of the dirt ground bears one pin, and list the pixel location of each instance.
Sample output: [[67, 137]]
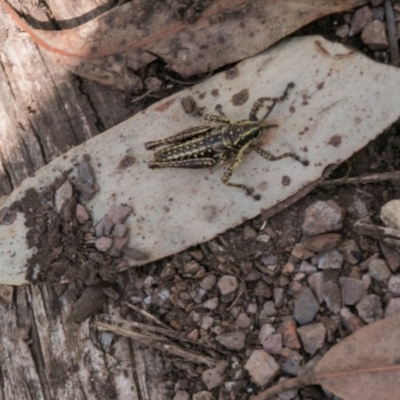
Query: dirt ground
[[184, 291]]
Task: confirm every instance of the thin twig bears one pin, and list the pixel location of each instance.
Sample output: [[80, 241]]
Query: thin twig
[[374, 178], [189, 83], [142, 96], [376, 231], [391, 27], [146, 314], [153, 341]]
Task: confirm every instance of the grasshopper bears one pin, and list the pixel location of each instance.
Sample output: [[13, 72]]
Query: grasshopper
[[206, 146]]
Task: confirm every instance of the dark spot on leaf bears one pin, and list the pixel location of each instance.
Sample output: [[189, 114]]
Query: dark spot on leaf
[[335, 141], [292, 109], [165, 106], [126, 162], [7, 216], [285, 180], [221, 39], [232, 73], [93, 50], [215, 92], [202, 95], [320, 85], [240, 98]]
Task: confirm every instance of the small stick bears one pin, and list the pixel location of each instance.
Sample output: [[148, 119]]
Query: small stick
[[374, 178], [391, 26], [152, 341]]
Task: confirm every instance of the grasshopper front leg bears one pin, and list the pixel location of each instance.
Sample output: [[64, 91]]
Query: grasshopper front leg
[[231, 169]]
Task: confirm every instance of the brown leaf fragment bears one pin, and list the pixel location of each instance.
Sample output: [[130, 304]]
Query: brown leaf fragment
[[107, 48], [88, 304], [364, 366]]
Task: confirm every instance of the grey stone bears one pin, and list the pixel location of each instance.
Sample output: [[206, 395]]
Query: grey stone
[[261, 367], [305, 307], [353, 290], [312, 336], [370, 308], [379, 270]]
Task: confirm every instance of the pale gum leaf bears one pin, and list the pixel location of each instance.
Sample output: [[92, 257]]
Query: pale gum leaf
[[341, 101]]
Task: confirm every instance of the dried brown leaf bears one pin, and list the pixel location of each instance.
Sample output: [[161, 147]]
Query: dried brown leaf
[[364, 366], [107, 48]]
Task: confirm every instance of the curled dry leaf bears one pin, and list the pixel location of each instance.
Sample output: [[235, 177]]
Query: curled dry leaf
[[364, 366], [341, 100], [127, 37]]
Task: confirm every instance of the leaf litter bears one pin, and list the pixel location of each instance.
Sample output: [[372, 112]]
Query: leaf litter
[[196, 40]]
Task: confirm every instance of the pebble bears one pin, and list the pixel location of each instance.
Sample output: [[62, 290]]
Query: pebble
[[197, 255], [266, 330], [211, 304], [390, 214], [86, 173], [374, 35], [119, 214], [191, 268], [350, 321], [104, 227], [261, 367], [279, 297], [263, 238], [289, 394], [212, 378], [393, 307], [235, 386], [342, 31], [232, 340], [330, 260], [370, 308], [193, 335], [228, 284], [6, 293], [252, 308], [367, 281], [316, 281], [350, 251], [181, 395], [208, 282], [312, 336], [301, 252], [305, 307], [81, 214], [103, 244], [288, 330], [243, 320], [293, 363], [262, 290], [117, 245], [203, 395], [206, 322], [353, 290], [62, 195], [379, 270], [332, 296], [307, 268], [273, 344], [249, 232], [360, 18], [322, 217], [392, 256], [120, 230], [267, 311], [394, 284], [322, 243]]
